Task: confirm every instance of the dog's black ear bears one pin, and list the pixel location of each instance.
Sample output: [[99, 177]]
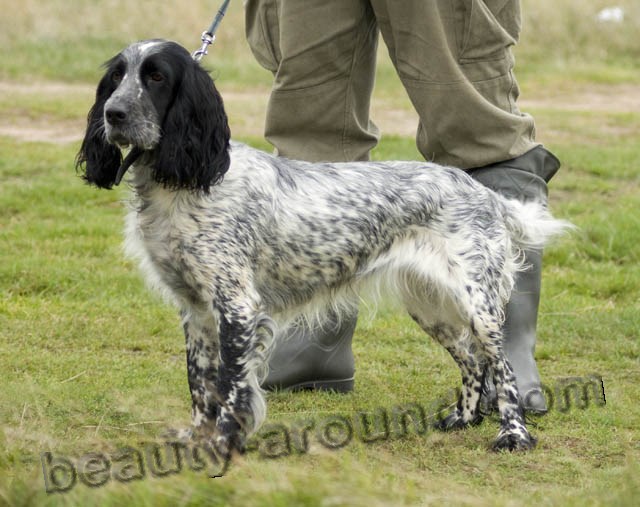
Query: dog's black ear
[[194, 149], [97, 159]]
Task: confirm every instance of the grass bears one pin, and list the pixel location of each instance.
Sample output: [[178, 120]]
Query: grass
[[90, 361], [66, 40]]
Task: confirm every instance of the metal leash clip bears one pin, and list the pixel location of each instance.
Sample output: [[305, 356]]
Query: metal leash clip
[[209, 36], [207, 39]]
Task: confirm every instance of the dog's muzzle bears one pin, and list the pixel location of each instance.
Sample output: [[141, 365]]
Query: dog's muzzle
[[120, 130]]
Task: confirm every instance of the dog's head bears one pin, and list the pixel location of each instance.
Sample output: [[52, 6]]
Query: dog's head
[[155, 99]]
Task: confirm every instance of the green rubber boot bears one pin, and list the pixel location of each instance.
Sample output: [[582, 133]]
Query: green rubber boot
[[524, 178], [319, 358]]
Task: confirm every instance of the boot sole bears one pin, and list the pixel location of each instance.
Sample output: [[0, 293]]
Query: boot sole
[[338, 386]]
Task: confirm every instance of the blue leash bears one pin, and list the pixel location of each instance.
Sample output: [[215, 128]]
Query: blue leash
[[209, 36]]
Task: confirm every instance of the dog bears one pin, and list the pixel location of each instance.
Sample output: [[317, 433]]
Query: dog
[[243, 242]]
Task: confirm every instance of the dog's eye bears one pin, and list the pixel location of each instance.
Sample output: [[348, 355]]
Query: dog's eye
[[156, 76], [116, 76]]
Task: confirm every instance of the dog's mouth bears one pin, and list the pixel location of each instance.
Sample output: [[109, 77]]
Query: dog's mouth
[[126, 136], [118, 137], [120, 141]]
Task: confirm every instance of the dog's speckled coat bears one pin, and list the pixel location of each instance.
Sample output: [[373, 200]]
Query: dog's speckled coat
[[242, 241]]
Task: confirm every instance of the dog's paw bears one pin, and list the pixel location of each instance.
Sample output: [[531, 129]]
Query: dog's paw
[[455, 421], [514, 440], [229, 446]]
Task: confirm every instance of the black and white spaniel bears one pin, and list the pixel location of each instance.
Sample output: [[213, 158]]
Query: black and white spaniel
[[244, 242]]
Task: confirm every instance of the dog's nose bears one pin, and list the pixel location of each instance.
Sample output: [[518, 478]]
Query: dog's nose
[[115, 116]]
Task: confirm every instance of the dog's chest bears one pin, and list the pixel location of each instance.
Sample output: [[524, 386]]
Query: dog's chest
[[162, 238]]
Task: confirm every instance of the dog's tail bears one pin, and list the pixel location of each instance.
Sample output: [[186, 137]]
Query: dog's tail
[[531, 225]]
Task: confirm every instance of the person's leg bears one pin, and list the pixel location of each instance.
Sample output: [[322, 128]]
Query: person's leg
[[454, 59], [322, 54]]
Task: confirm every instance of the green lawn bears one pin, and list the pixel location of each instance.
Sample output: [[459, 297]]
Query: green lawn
[[92, 362]]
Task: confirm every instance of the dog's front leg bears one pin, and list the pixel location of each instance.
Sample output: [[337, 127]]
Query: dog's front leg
[[242, 406], [203, 361]]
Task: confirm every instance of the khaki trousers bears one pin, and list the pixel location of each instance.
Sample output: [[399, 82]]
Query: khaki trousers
[[453, 57]]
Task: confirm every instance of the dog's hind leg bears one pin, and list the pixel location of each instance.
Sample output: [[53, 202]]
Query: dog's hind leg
[[463, 350], [442, 315], [513, 435]]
